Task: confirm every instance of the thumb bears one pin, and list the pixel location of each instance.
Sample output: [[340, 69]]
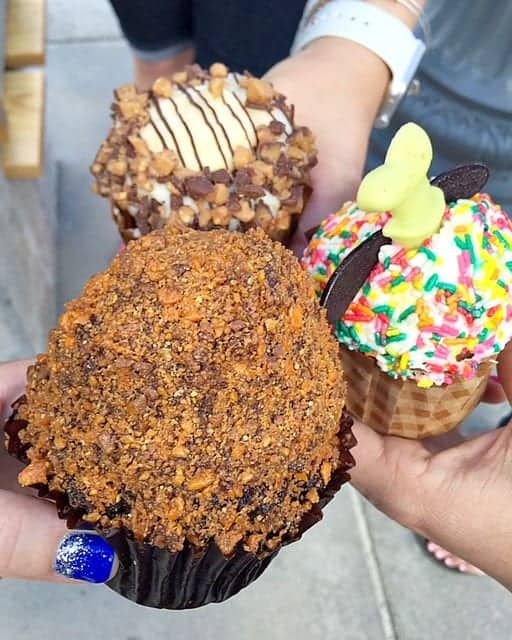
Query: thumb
[[35, 544], [388, 471]]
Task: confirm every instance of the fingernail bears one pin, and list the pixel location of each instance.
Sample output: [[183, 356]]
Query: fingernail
[[86, 556]]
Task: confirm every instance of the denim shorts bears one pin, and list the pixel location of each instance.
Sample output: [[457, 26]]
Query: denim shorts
[[244, 34]]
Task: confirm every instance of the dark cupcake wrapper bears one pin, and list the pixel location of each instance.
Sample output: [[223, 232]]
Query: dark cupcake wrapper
[[190, 578]]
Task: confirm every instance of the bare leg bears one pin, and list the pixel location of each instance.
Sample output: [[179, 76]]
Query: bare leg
[[147, 72]]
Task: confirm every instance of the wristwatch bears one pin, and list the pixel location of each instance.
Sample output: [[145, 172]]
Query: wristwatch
[[373, 28]]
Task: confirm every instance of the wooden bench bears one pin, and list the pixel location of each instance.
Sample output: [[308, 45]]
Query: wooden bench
[[22, 91], [28, 190]]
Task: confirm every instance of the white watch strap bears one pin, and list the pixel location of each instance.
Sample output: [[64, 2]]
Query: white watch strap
[[373, 28]]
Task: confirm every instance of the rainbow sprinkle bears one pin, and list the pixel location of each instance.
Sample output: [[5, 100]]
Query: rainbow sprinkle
[[431, 314]]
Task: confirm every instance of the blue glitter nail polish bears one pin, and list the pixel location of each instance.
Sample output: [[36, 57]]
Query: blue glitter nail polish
[[84, 555]]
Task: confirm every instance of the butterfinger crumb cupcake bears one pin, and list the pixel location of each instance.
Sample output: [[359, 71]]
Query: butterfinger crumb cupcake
[[205, 150], [190, 409]]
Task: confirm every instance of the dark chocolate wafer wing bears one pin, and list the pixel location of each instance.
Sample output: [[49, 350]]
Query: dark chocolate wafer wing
[[462, 182], [350, 276]]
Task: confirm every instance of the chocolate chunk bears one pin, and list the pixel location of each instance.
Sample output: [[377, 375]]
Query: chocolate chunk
[[141, 217], [89, 366], [276, 127], [141, 220], [176, 201], [462, 182], [198, 186], [178, 183], [221, 176], [76, 497], [233, 203], [350, 276], [286, 167], [271, 276], [246, 499], [295, 197], [242, 178], [251, 190], [120, 508], [180, 268]]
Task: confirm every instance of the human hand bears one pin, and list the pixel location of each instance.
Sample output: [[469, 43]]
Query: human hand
[[337, 87], [34, 543], [458, 497]]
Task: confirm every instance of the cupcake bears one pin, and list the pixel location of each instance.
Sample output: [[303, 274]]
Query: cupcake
[[190, 408], [205, 150], [417, 289]]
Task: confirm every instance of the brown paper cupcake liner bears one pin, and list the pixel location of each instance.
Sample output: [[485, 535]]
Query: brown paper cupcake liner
[[190, 578]]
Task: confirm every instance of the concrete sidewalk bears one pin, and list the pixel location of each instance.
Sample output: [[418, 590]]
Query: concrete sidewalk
[[355, 576]]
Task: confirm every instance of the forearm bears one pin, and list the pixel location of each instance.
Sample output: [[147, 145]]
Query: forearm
[[362, 74], [355, 65]]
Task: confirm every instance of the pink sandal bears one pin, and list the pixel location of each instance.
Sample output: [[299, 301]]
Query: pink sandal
[[450, 561]]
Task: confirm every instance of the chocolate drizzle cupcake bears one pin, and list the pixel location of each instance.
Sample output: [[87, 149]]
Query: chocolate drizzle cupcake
[[205, 150], [190, 408]]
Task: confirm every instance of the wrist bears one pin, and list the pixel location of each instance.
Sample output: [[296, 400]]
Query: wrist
[[383, 27], [363, 76]]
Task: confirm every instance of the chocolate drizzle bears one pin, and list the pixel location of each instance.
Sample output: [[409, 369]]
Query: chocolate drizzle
[[207, 122], [198, 159], [217, 119], [246, 111], [211, 119], [157, 131], [169, 129], [237, 119]]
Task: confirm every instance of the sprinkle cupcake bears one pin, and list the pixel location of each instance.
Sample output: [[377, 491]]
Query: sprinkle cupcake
[[205, 150], [190, 409], [434, 308]]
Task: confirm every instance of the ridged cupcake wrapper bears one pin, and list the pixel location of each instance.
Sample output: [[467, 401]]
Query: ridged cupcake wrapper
[[191, 578]]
